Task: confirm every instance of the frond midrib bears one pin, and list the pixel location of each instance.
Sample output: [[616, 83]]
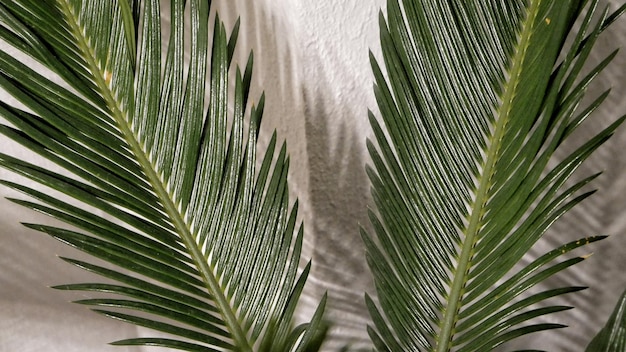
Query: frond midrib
[[117, 112], [457, 288]]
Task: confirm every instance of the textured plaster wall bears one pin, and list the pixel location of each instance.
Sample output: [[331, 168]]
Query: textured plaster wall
[[311, 58]]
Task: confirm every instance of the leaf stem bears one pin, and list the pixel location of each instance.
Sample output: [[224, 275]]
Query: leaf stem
[[121, 118], [450, 318]]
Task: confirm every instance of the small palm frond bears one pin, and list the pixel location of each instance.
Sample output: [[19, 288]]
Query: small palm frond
[[211, 243], [612, 337], [477, 97]]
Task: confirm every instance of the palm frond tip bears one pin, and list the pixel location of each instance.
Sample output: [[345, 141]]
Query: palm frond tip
[[612, 337], [475, 101], [212, 245]]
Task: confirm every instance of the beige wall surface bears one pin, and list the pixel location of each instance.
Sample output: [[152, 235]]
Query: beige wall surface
[[311, 59]]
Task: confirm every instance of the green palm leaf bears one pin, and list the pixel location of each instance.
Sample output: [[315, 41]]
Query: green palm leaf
[[205, 247], [612, 337], [476, 98]]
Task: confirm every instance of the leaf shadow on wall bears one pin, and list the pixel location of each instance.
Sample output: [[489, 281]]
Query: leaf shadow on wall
[[339, 197], [326, 171]]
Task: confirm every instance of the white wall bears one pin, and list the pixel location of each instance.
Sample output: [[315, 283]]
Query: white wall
[[312, 61]]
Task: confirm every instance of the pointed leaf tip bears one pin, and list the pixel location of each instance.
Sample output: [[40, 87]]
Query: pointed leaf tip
[[612, 337]]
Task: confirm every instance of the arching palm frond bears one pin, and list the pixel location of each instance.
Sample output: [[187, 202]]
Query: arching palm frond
[[477, 97], [211, 243]]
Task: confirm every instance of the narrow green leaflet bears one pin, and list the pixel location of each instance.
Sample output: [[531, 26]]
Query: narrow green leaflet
[[612, 337], [203, 245], [475, 97]]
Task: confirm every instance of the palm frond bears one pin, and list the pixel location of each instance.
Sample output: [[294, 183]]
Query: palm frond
[[211, 243], [475, 100], [612, 337]]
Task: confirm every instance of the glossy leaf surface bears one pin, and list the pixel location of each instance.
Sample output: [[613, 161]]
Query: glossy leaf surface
[[161, 150], [475, 97]]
